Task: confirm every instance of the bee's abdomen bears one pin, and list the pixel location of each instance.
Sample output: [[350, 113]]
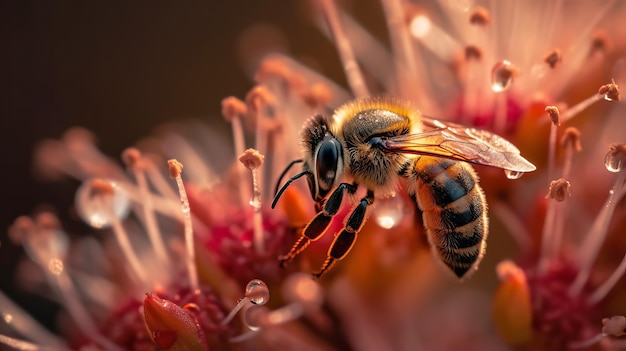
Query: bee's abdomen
[[454, 211]]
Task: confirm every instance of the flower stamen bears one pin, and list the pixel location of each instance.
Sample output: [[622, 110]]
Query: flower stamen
[[176, 168], [135, 162], [592, 243], [607, 92], [252, 160], [346, 54]]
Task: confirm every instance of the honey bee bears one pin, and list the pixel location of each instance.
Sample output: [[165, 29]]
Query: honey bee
[[373, 143]]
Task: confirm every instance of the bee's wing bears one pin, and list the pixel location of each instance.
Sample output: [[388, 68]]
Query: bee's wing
[[461, 143]]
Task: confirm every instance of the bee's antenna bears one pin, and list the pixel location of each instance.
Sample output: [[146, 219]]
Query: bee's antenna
[[280, 192], [280, 178]]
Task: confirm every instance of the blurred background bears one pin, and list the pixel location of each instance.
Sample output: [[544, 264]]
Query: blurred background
[[120, 70]]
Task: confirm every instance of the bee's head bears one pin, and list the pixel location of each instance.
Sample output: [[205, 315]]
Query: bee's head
[[322, 160], [326, 167]]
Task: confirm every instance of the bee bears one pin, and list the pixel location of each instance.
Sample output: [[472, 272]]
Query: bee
[[373, 143]]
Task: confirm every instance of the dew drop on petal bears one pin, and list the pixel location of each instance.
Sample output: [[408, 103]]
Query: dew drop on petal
[[502, 76], [258, 292], [613, 162], [389, 211], [513, 174], [98, 211]]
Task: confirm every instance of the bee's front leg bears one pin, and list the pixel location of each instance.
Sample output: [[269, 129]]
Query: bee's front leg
[[317, 226], [344, 241]]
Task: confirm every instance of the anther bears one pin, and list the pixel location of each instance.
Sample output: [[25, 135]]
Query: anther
[[131, 157], [480, 17], [176, 168], [559, 190], [553, 58], [472, 53], [251, 159], [233, 108], [614, 326], [318, 94], [610, 91], [601, 43], [554, 114]]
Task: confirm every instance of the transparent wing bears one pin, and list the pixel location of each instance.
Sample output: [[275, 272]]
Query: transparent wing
[[460, 143]]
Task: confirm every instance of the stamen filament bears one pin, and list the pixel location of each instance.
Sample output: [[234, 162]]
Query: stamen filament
[[21, 345], [134, 161], [252, 160], [350, 65], [175, 171], [122, 239], [604, 289], [513, 223], [26, 325], [592, 243]]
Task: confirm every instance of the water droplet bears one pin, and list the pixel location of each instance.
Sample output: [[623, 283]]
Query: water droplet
[[99, 210], [502, 76], [613, 162], [389, 212], [258, 292], [513, 174], [8, 318], [55, 266]]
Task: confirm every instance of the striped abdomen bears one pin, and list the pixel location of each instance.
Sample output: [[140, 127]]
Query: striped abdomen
[[454, 210]]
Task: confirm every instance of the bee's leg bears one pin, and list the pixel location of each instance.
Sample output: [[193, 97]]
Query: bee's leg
[[345, 240], [317, 226]]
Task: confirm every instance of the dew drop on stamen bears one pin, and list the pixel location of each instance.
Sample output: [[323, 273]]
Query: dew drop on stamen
[[613, 163], [98, 211], [389, 211], [258, 292], [513, 174], [502, 76]]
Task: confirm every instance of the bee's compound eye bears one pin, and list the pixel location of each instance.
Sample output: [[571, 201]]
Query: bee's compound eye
[[327, 162]]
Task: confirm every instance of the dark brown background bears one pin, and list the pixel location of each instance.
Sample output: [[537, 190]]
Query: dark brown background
[[121, 69]]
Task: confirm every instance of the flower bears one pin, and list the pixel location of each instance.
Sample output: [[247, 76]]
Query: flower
[[204, 245]]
